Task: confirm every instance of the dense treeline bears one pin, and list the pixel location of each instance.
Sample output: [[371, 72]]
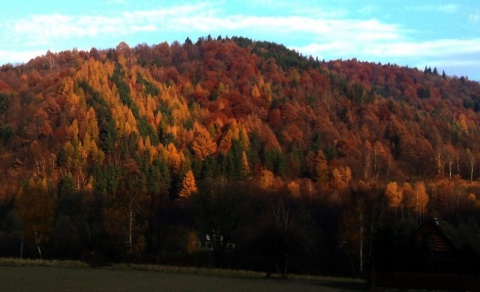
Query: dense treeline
[[301, 165]]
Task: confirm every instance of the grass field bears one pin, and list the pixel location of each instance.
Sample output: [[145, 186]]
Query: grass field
[[75, 276]]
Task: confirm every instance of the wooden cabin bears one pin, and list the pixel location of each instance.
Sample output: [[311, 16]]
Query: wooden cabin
[[439, 254], [432, 234], [436, 265]]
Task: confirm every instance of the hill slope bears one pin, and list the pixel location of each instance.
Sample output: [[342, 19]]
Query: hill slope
[[279, 108], [158, 120]]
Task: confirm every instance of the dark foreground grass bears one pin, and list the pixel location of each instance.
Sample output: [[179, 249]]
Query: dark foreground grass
[[75, 276]]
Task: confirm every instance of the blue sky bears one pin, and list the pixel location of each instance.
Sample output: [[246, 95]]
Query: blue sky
[[436, 33]]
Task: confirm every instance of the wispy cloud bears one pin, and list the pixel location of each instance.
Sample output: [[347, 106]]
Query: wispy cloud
[[46, 29], [444, 8], [435, 48], [203, 17], [449, 8], [115, 2], [474, 17]]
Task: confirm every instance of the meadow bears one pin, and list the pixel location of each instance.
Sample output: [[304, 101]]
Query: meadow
[[37, 275]]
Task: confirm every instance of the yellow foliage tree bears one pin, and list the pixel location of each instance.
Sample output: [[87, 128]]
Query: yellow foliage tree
[[189, 186], [202, 144], [226, 141], [174, 158], [141, 146], [394, 195], [91, 124], [321, 168], [255, 91], [294, 189], [73, 129], [341, 178], [243, 136], [418, 203], [245, 166], [193, 244], [267, 179]]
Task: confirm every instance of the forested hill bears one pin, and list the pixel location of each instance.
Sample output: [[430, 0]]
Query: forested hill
[[160, 120], [233, 108]]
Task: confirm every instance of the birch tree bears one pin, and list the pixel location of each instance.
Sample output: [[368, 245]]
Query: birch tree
[[471, 162], [35, 205], [126, 218], [394, 196]]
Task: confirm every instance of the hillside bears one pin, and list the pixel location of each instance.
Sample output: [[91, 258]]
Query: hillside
[[145, 128]]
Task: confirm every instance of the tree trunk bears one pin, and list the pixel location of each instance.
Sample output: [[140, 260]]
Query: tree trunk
[[388, 167], [367, 165], [457, 162], [361, 247], [360, 217], [286, 221], [38, 237], [375, 162], [130, 227], [417, 210], [472, 164], [450, 163], [21, 245], [439, 161]]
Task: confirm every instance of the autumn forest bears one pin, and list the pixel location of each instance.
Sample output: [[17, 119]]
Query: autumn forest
[[235, 153]]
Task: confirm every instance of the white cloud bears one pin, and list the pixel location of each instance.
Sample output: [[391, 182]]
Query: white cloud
[[15, 57], [446, 8], [202, 17], [474, 17], [435, 48]]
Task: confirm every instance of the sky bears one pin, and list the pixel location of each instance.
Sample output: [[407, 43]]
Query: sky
[[434, 33]]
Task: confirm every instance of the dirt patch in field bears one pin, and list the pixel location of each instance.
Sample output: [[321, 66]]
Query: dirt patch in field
[[31, 278]]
